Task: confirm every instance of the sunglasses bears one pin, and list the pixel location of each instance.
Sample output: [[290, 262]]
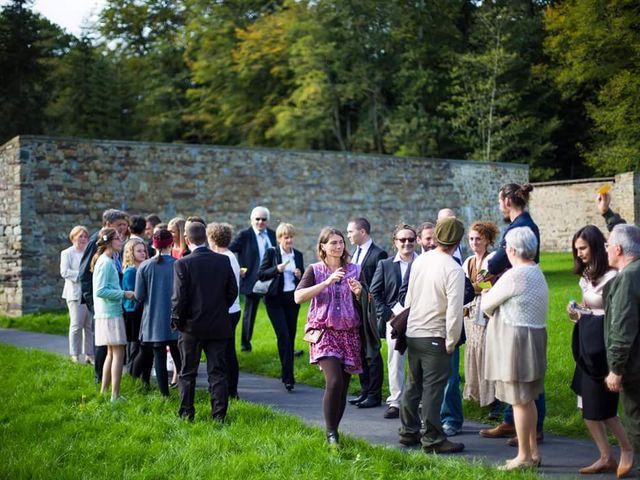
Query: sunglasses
[[405, 240], [261, 219]]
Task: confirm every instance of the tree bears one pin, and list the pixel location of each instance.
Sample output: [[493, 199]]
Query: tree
[[27, 43], [596, 49]]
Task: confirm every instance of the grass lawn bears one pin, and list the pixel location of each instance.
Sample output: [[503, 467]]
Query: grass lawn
[[562, 414], [54, 424]]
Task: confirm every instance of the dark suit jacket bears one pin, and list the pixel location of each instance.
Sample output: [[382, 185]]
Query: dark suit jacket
[[269, 269], [204, 287], [246, 246], [385, 288], [370, 262], [86, 275]]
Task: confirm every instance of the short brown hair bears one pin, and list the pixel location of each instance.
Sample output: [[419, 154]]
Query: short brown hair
[[220, 234]]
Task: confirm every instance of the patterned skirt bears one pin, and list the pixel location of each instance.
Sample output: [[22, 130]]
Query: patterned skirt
[[341, 344]]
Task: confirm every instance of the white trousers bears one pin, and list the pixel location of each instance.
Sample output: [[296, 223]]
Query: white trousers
[[80, 329], [395, 367]]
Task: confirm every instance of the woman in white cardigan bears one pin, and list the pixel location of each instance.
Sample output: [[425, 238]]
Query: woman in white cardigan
[[516, 340], [80, 329]]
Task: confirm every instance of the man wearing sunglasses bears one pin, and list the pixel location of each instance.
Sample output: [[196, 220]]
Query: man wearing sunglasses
[[385, 287], [250, 245]]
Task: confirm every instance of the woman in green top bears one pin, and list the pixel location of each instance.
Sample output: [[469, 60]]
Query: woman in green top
[[107, 297]]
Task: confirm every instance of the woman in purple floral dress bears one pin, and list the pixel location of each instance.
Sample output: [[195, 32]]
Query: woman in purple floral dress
[[333, 322]]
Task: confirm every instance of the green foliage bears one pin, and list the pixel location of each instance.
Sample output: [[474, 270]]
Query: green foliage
[[54, 424], [596, 49], [550, 84]]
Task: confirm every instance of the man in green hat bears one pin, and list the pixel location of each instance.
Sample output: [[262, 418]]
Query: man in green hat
[[435, 297]]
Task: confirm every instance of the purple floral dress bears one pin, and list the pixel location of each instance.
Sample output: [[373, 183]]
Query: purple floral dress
[[334, 311]]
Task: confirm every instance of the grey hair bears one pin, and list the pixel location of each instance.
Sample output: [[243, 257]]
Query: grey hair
[[628, 238], [524, 241], [258, 209], [112, 215]]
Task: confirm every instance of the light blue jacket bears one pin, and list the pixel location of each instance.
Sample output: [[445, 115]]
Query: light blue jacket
[[107, 293]]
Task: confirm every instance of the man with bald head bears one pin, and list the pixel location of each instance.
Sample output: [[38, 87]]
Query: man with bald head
[[250, 245]]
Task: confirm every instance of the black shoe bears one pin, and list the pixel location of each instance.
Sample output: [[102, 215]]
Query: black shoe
[[333, 439], [298, 353], [357, 400], [445, 447], [289, 387], [392, 412], [173, 385], [409, 439], [370, 402], [245, 348]]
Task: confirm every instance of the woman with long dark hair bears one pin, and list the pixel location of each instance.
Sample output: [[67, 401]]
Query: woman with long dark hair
[[332, 328], [599, 405]]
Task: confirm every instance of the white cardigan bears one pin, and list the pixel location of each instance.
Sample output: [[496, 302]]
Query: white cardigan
[[70, 271]]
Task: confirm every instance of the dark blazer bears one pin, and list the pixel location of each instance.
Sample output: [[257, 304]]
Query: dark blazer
[[385, 288], [204, 287], [268, 269], [370, 262], [499, 262], [245, 245], [86, 275]]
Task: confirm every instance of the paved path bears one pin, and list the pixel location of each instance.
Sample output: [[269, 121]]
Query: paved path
[[561, 456]]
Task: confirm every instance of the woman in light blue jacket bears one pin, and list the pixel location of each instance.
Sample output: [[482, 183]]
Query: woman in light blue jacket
[[107, 299]]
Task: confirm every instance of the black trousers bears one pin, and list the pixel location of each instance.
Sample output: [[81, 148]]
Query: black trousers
[[156, 352], [233, 369], [372, 374], [283, 313], [191, 348], [251, 303]]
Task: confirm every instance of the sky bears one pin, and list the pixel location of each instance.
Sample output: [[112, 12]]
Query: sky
[[69, 14]]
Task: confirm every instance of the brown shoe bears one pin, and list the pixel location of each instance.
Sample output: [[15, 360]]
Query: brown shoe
[[409, 439], [445, 447], [609, 467], [502, 430]]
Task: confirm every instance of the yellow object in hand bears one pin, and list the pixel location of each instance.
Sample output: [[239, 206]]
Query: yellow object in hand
[[604, 189], [484, 285]]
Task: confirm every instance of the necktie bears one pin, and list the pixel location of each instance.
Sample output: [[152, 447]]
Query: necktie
[[358, 250]]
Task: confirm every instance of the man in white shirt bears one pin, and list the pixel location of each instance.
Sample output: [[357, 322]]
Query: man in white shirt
[[435, 296]]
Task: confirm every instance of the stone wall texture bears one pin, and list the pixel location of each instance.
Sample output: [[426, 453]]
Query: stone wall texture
[[50, 184], [561, 208]]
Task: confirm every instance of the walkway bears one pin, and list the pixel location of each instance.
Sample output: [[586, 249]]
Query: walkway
[[561, 456]]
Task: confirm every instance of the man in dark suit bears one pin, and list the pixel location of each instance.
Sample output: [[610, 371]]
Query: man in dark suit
[[367, 254], [250, 245], [385, 288], [204, 287], [120, 221]]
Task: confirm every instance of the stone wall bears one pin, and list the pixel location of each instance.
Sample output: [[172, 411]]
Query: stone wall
[[57, 183], [10, 228], [561, 208]]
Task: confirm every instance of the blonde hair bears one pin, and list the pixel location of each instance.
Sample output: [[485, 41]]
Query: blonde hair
[[285, 229], [128, 258], [179, 222], [76, 231]]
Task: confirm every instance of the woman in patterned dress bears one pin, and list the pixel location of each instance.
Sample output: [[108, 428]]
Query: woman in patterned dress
[[333, 322]]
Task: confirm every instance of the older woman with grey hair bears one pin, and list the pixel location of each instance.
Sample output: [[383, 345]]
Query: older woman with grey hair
[[516, 340]]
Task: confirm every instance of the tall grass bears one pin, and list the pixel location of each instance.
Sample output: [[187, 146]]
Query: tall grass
[[54, 424], [562, 415]]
